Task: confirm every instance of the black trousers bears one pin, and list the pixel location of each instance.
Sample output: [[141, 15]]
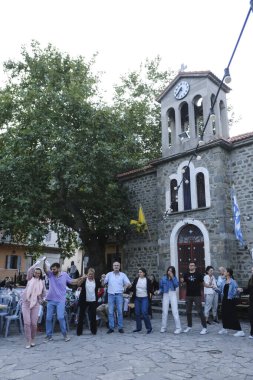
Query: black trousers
[[251, 318], [92, 307], [197, 301]]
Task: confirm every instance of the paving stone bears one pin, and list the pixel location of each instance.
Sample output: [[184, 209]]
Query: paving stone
[[130, 356]]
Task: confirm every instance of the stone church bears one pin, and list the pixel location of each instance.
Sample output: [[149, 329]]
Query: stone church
[[186, 194]]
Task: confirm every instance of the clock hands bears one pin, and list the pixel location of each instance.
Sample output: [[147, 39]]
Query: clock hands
[[179, 90]]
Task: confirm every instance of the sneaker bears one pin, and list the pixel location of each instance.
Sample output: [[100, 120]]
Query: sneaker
[[149, 331], [162, 330], [203, 331], [215, 321], [66, 338], [177, 331], [239, 333], [187, 329], [223, 331], [110, 331], [47, 339], [121, 331], [136, 330], [28, 346], [250, 336]]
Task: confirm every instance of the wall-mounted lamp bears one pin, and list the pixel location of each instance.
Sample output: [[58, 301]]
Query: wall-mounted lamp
[[227, 77], [184, 135]]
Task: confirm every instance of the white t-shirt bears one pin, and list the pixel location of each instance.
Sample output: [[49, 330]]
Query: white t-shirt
[[141, 287], [209, 281], [90, 290]]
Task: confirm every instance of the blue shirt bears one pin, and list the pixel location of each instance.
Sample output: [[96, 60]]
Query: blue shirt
[[116, 282]]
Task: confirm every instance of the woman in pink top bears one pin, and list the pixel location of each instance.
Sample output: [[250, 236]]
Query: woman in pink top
[[32, 297]]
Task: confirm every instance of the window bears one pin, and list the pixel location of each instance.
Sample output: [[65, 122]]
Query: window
[[174, 199], [13, 262], [198, 112], [187, 189], [200, 178]]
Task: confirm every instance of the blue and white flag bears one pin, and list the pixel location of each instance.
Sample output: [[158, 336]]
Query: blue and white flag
[[237, 218]]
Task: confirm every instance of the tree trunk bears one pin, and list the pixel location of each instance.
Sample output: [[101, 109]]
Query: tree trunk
[[95, 250]]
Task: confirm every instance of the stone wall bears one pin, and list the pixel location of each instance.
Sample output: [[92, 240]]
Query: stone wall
[[242, 175], [141, 249], [224, 166]]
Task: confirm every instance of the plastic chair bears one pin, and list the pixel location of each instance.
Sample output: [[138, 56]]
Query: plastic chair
[[6, 300], [17, 316]]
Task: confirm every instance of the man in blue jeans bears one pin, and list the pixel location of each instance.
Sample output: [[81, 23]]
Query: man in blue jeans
[[56, 298], [116, 281]]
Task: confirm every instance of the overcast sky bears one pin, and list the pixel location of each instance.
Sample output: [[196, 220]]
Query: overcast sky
[[199, 33]]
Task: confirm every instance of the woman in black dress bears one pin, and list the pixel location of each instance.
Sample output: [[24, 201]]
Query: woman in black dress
[[249, 290], [229, 291]]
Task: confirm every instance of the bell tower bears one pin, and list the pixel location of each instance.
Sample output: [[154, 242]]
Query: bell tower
[[185, 107]]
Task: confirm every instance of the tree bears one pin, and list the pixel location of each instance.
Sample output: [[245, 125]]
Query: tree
[[135, 100], [61, 149]]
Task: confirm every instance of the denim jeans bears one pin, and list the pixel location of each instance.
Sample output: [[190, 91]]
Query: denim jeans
[[141, 309], [59, 308], [115, 299]]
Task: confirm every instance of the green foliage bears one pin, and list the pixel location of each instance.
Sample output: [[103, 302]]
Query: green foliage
[[61, 147], [135, 100]]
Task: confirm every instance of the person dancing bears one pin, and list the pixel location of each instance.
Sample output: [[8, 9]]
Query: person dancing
[[32, 297]]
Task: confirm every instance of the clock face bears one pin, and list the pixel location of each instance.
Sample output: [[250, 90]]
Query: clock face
[[181, 90]]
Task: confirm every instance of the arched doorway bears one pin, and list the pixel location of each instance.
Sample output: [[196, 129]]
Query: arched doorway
[[190, 248]]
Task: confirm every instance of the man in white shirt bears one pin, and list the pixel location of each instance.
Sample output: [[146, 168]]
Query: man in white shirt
[[116, 281]]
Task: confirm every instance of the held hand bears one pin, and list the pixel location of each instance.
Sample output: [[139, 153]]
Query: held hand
[[103, 276], [240, 290]]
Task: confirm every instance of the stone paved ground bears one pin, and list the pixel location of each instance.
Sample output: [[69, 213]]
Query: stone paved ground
[[130, 356]]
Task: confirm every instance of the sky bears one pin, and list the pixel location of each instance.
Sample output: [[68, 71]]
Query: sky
[[199, 33]]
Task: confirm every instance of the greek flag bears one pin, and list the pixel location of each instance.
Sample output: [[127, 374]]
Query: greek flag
[[237, 218]]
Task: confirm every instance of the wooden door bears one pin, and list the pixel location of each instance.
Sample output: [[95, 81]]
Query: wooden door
[[190, 249]]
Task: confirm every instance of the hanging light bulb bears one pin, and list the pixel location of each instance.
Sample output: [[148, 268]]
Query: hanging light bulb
[[175, 188], [201, 141], [183, 171], [198, 158], [227, 77], [186, 181]]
